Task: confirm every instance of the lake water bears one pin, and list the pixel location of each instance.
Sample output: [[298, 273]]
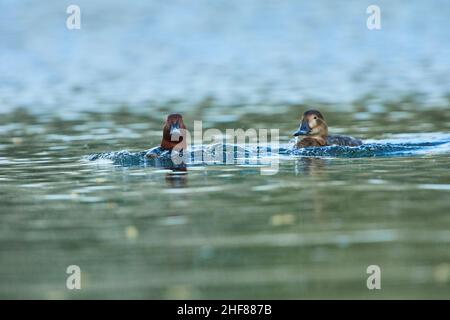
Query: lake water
[[224, 231]]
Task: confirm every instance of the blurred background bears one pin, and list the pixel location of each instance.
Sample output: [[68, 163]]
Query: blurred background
[[222, 231]]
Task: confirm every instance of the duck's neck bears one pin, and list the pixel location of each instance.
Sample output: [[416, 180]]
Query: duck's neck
[[322, 134], [168, 144]]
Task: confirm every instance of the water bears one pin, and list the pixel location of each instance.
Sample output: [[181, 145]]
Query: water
[[224, 231]]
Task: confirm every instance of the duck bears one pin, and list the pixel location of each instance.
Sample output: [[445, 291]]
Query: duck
[[315, 130], [173, 136]]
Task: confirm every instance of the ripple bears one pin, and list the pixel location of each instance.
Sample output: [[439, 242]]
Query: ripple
[[255, 158], [435, 186], [195, 190]]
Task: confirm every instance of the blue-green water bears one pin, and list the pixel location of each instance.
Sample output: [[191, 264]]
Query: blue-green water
[[224, 231]]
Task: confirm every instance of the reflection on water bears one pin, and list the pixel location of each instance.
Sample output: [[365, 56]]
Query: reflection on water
[[310, 166], [177, 178], [223, 231]]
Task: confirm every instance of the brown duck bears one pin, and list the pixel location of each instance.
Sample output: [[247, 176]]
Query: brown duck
[[315, 130], [173, 135]]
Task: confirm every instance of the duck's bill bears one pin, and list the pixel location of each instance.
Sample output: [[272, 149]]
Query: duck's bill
[[300, 133], [303, 130]]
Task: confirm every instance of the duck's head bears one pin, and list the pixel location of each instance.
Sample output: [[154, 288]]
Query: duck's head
[[312, 124], [173, 131]]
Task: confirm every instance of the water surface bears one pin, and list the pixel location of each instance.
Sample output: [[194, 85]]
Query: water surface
[[215, 231]]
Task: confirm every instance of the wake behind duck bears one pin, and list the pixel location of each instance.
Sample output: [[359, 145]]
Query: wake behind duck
[[174, 153]]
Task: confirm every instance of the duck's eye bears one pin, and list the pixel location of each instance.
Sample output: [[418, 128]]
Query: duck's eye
[[315, 118]]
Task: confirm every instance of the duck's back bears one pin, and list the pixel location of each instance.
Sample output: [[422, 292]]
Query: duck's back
[[343, 141]]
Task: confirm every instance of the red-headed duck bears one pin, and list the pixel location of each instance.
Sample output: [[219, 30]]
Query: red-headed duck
[[173, 135], [314, 127]]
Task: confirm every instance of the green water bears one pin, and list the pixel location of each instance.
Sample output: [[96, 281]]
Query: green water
[[310, 231], [223, 231]]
